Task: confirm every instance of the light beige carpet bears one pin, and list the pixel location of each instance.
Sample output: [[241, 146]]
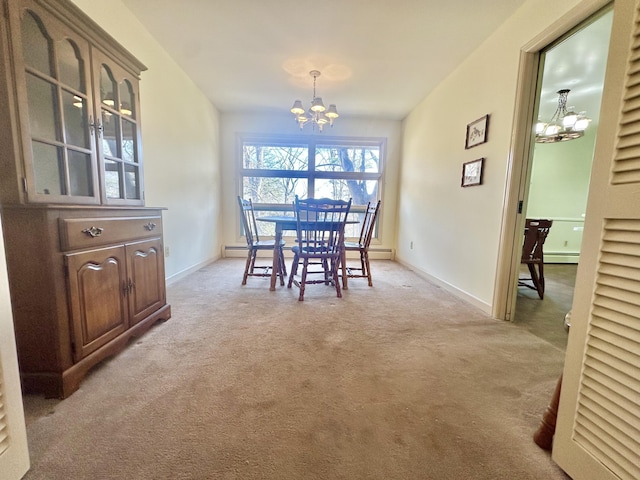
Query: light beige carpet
[[398, 381]]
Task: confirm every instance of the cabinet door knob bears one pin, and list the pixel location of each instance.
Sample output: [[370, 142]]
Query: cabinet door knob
[[93, 232], [150, 226]]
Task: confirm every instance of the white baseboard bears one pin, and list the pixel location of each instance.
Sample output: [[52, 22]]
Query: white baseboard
[[476, 302], [180, 275], [561, 257]]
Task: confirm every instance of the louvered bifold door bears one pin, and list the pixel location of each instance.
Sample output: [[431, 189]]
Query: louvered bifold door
[[14, 454], [598, 430], [4, 425]]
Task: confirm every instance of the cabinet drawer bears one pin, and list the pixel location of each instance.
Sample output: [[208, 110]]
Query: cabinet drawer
[[76, 233]]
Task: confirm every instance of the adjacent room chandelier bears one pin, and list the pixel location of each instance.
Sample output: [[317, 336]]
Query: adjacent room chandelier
[[318, 114], [563, 125]]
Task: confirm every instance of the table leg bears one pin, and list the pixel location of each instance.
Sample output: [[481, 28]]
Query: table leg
[[276, 257], [343, 261]]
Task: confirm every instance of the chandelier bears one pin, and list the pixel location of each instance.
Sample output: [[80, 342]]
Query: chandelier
[[563, 125], [318, 114]]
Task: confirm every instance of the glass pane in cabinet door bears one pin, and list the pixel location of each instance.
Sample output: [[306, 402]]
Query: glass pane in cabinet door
[[126, 100], [36, 45], [110, 128], [70, 65], [107, 87], [112, 179], [128, 141], [75, 120], [80, 177], [41, 96], [47, 167], [131, 184]]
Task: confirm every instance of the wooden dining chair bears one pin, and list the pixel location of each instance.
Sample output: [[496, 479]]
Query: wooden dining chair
[[254, 245], [535, 234], [361, 246], [319, 242]]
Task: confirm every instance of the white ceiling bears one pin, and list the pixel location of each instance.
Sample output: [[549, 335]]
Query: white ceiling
[[377, 57], [577, 63]]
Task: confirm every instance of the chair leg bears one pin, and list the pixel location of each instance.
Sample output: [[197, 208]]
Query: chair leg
[[303, 280], [327, 272], [343, 265], [535, 278], [365, 255], [281, 270], [334, 271], [246, 268], [254, 254], [294, 270], [284, 265]]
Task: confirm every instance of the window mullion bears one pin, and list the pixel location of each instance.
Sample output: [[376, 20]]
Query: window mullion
[[311, 181]]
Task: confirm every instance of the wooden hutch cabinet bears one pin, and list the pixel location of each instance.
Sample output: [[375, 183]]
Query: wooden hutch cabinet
[[84, 254]]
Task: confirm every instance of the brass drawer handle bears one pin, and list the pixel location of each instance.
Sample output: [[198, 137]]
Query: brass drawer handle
[[150, 226], [93, 232]]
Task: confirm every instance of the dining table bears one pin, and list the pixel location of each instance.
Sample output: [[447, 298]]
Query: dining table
[[284, 223]]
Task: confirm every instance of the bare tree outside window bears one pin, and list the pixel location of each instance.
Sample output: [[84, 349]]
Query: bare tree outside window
[[274, 170]]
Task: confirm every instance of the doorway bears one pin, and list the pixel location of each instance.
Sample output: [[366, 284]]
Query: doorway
[[556, 180]]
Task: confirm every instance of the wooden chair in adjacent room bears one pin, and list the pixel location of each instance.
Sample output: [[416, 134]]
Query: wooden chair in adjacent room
[[319, 242], [361, 246], [535, 233], [254, 245]]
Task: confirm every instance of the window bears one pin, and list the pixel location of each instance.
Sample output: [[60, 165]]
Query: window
[[276, 169]]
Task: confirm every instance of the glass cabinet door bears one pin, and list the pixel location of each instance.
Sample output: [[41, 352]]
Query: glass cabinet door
[[119, 144], [60, 153]]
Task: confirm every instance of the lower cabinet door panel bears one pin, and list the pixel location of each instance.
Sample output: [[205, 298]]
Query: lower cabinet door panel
[[98, 297], [145, 267]]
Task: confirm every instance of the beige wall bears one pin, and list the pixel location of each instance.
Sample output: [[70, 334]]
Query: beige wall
[[234, 124], [181, 144], [456, 231], [558, 191]]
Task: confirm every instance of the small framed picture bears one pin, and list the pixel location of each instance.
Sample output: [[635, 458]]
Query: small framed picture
[[472, 172], [477, 132]]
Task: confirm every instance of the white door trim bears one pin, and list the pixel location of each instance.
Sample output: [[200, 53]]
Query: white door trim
[[520, 152]]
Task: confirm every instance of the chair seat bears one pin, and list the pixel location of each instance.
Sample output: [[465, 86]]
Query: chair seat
[[267, 244], [353, 246], [313, 251]]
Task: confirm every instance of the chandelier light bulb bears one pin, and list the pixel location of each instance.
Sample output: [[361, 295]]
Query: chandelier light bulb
[[297, 108], [570, 119], [581, 124], [332, 112]]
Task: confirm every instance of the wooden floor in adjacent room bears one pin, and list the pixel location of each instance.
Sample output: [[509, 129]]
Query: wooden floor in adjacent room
[[545, 318]]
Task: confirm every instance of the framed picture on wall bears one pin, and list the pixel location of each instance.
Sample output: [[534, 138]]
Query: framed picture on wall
[[472, 172], [477, 132]]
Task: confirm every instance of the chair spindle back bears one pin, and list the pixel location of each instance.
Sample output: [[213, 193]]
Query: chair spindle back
[[248, 221], [320, 225]]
